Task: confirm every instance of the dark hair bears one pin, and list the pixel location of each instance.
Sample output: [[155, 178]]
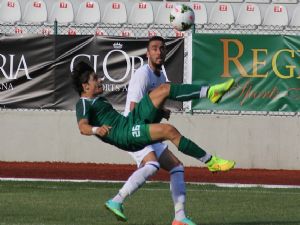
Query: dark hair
[[155, 38], [80, 75]]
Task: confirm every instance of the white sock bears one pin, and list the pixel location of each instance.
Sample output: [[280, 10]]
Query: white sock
[[205, 158], [118, 198], [203, 91], [177, 187], [136, 180]]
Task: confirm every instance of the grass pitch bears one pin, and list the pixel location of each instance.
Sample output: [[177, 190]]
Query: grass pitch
[[67, 203]]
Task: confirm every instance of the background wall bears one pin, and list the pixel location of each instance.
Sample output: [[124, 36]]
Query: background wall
[[254, 141]]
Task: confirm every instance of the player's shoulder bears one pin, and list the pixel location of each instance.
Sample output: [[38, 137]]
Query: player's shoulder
[[144, 70], [82, 102], [79, 102]]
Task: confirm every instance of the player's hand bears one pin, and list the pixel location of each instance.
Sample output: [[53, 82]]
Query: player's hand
[[166, 113], [103, 130]]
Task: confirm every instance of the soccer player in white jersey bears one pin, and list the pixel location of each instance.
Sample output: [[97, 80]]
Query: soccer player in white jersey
[[152, 157]]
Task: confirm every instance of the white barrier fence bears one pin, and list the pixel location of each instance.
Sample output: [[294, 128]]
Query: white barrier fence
[[268, 142]]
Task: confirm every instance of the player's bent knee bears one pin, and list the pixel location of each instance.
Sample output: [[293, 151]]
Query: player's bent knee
[[170, 130], [152, 167], [178, 164]]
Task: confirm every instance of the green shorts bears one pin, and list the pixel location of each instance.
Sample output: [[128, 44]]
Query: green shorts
[[135, 134], [143, 114], [138, 137], [146, 112], [130, 138]]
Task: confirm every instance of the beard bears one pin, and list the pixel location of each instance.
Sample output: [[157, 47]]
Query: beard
[[158, 65]]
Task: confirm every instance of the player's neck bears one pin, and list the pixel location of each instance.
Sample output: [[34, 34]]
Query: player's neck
[[156, 69], [87, 95]]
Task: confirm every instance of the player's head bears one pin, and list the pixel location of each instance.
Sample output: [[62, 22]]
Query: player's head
[[156, 51], [85, 80]]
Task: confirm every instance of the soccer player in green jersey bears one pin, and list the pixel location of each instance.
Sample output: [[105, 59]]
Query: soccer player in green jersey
[[96, 116]]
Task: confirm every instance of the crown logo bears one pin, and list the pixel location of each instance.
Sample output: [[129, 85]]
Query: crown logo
[[118, 45]]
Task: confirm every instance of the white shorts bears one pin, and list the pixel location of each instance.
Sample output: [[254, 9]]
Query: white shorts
[[158, 148]]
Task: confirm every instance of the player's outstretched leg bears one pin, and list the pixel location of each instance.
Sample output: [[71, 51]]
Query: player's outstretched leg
[[187, 92], [185, 221], [214, 163], [159, 132], [117, 209]]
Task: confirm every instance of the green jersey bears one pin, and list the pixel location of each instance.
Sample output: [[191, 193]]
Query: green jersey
[[129, 133]]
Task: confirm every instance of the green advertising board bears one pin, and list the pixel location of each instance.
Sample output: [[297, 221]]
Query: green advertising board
[[266, 69]]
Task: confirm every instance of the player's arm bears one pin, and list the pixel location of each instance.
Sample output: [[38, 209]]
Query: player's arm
[[86, 129]]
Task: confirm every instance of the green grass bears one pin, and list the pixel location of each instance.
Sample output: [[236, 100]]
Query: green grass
[[65, 203]]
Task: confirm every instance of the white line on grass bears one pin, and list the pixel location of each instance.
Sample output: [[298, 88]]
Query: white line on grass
[[230, 185]]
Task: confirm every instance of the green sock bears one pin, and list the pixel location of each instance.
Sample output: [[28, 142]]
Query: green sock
[[184, 92], [188, 147]]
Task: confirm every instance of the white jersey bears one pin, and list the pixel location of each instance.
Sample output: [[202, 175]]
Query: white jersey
[[142, 82]]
